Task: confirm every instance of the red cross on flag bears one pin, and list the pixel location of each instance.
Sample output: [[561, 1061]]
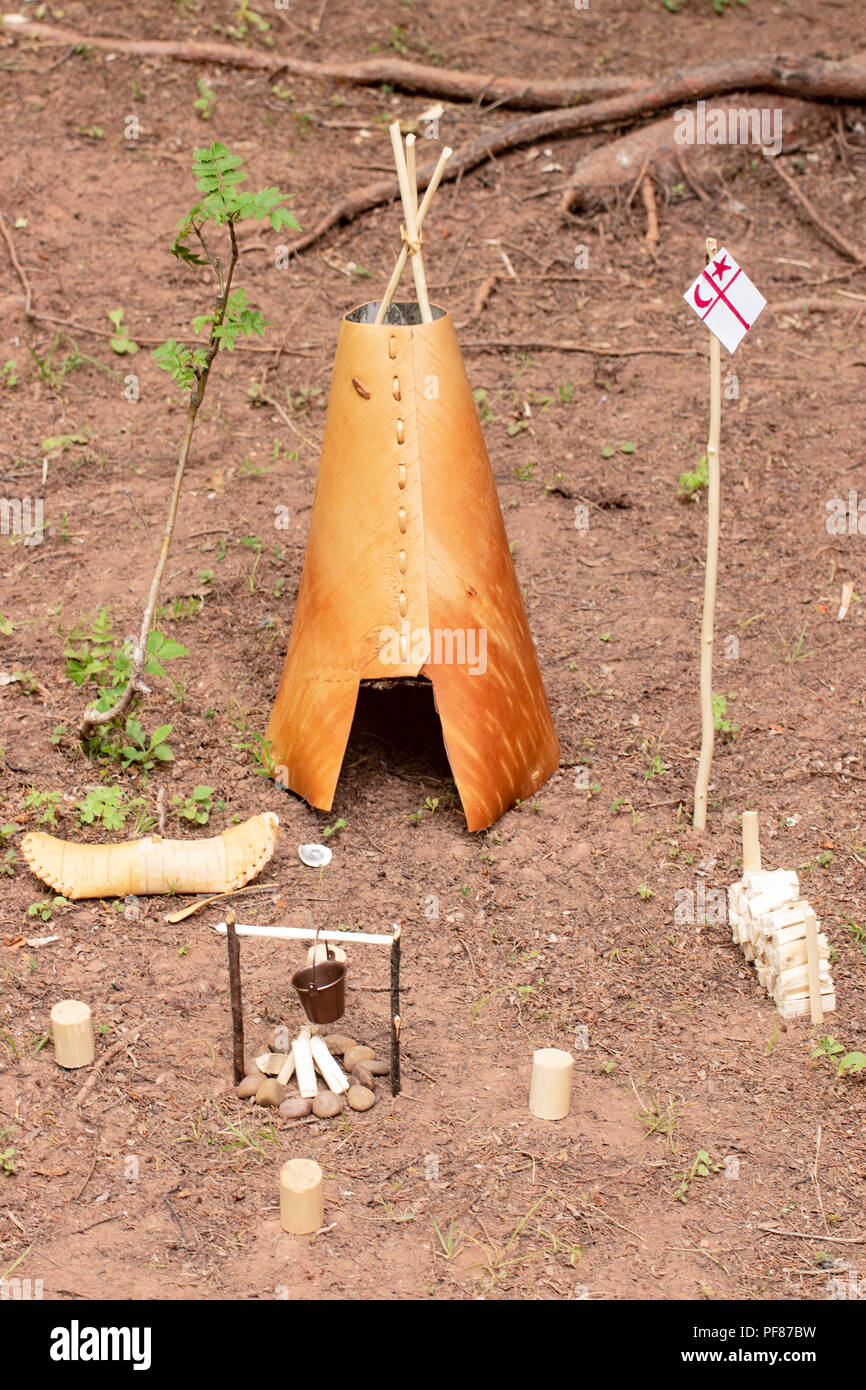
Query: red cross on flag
[[725, 298]]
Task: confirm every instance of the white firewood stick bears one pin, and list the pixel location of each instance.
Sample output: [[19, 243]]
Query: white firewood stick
[[288, 1070], [271, 1063], [796, 953], [304, 1069], [755, 882], [705, 760], [330, 1069], [796, 1008], [795, 980]]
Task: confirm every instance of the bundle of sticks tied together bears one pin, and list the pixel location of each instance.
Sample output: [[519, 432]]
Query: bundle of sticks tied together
[[410, 232], [779, 933]]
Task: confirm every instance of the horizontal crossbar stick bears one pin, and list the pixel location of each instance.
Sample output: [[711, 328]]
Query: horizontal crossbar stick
[[303, 934]]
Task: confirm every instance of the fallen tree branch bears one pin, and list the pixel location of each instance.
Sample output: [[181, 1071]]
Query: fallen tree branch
[[535, 345], [836, 240], [810, 78], [654, 149], [450, 83], [624, 100]]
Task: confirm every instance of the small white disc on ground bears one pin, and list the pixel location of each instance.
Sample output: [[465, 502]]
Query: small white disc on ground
[[314, 856]]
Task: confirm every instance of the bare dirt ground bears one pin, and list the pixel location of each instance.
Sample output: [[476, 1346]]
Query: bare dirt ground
[[562, 916]]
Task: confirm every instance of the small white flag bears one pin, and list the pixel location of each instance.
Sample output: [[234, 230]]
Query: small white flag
[[725, 298]]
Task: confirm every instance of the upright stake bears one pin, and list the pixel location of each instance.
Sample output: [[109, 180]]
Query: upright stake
[[395, 1012], [234, 948], [702, 781], [816, 1007], [751, 843]]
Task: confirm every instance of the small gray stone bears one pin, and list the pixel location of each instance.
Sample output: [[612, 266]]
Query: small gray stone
[[295, 1108], [360, 1098], [327, 1105]]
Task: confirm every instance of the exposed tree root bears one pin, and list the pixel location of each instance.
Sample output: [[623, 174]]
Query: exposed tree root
[[521, 93]]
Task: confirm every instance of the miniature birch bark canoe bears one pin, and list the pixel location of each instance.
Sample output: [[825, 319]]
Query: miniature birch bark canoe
[[152, 865]]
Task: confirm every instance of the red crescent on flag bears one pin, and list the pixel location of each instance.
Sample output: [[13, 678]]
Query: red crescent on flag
[[702, 303]]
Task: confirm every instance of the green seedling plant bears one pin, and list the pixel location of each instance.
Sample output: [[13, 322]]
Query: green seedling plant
[[846, 1063], [702, 1167], [431, 805], [197, 806], [721, 722], [121, 343], [44, 908], [221, 207], [143, 752], [94, 654], [44, 802], [204, 102], [339, 824], [857, 930], [105, 806], [691, 484]]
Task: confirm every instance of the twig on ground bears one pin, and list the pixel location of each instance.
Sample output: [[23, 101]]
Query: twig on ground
[[19, 269], [836, 240], [647, 193], [102, 1062]]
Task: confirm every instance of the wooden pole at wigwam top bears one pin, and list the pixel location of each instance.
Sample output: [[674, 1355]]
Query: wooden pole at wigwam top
[[409, 199], [72, 1031], [395, 1011], [400, 264], [234, 948], [705, 760]]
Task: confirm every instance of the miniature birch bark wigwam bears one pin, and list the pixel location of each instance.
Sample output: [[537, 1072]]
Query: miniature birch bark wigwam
[[778, 932], [153, 865], [407, 572]]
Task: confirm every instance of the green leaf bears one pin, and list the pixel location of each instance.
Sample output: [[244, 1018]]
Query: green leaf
[[162, 733], [608, 451], [627, 448]]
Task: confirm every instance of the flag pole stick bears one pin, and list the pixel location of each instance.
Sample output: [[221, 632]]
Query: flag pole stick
[[714, 504]]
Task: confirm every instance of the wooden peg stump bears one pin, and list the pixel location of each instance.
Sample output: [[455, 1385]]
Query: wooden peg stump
[[550, 1088], [302, 1206], [72, 1030]]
